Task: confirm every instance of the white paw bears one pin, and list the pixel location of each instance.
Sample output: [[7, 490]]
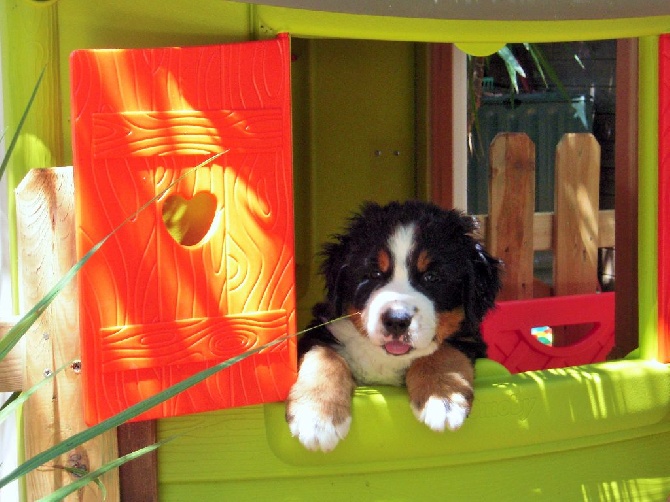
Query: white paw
[[315, 430], [439, 413]]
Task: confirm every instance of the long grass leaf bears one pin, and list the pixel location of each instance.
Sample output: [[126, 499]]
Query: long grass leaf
[[533, 51], [15, 136], [513, 66], [548, 69], [23, 396], [129, 413], [21, 327], [139, 408], [579, 106], [13, 397], [13, 336], [79, 483]]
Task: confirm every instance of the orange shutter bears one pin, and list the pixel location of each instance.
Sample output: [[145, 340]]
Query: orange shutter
[[155, 308]]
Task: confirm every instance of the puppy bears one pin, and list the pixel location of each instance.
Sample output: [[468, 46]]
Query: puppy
[[407, 286]]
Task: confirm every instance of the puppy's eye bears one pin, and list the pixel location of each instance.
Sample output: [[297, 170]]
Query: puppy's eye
[[375, 273], [430, 277]]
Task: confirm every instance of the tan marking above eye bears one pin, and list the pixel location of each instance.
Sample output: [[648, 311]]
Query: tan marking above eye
[[383, 261], [423, 261]]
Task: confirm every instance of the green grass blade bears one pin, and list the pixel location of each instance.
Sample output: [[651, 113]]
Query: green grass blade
[[23, 396], [15, 137], [66, 490], [513, 66], [543, 62], [129, 413], [139, 408], [13, 397], [21, 327], [533, 51]]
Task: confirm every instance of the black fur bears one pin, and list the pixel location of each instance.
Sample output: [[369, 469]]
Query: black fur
[[463, 274]]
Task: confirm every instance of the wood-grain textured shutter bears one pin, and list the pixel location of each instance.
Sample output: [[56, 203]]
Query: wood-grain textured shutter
[[156, 309]]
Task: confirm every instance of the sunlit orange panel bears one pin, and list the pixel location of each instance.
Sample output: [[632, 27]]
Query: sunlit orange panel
[[206, 271]]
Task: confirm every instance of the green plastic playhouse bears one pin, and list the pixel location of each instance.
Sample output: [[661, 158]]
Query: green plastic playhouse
[[596, 432]]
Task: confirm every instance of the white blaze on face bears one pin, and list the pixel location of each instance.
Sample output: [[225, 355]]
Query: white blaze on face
[[399, 294]]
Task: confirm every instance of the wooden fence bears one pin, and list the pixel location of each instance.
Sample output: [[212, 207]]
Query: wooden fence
[[574, 232], [582, 327]]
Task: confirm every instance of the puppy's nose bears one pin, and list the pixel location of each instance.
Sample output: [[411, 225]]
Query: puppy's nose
[[396, 321]]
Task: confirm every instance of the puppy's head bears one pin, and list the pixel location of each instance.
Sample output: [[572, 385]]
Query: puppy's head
[[409, 274]]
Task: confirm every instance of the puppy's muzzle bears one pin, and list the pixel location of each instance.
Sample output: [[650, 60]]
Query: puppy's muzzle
[[396, 321]]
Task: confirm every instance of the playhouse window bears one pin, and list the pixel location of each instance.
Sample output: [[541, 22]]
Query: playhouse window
[[581, 98], [547, 91], [323, 115]]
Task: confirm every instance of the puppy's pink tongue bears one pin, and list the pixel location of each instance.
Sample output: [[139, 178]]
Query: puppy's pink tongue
[[397, 348]]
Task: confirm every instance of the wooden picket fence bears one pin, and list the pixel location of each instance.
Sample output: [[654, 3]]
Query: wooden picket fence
[[583, 326], [574, 232]]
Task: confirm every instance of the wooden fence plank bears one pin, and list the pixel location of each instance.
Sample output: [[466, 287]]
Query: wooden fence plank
[[45, 228], [512, 204], [576, 215], [11, 367], [576, 224]]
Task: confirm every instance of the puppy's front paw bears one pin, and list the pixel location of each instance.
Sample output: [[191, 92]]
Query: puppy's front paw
[[318, 409], [441, 388], [438, 413], [316, 427]]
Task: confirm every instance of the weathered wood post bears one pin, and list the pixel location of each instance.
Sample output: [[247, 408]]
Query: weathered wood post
[[45, 227]]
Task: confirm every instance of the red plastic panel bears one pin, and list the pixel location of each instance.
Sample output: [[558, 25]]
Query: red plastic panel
[[154, 310], [664, 200], [507, 331]]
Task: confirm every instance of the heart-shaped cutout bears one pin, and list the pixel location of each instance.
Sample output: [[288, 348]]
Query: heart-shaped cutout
[[189, 220]]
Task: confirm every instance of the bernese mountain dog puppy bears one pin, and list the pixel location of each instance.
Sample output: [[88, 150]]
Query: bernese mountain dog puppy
[[407, 286]]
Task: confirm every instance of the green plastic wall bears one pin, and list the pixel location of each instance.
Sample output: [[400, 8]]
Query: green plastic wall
[[596, 433], [353, 140]]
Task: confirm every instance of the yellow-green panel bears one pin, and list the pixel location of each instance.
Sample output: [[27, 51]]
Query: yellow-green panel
[[580, 433], [332, 24], [357, 97], [648, 197], [29, 40], [131, 23]]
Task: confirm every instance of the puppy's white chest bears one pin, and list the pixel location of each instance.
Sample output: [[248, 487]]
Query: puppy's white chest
[[370, 364]]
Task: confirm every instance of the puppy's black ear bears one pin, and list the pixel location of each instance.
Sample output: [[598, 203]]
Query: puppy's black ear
[[333, 270], [484, 284]]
